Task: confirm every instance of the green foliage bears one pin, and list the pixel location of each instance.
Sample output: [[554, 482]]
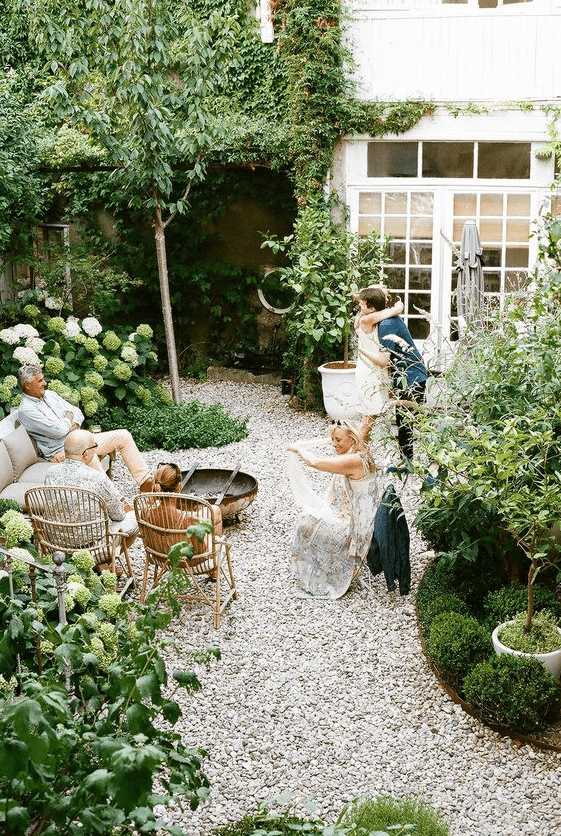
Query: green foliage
[[103, 755], [502, 604], [513, 692], [179, 426], [456, 644], [444, 603], [384, 814], [95, 369], [9, 505], [544, 637], [461, 578]]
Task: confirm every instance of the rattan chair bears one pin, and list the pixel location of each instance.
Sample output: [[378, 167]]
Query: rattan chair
[[163, 520], [67, 519]]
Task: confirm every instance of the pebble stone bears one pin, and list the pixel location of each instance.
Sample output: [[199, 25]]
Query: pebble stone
[[328, 700]]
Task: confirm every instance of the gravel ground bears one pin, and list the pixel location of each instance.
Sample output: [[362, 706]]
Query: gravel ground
[[330, 700]]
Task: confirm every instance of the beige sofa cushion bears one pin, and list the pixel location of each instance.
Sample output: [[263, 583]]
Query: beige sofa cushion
[[6, 469], [20, 450]]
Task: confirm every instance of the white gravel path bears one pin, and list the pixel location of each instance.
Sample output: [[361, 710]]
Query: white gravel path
[[331, 700]]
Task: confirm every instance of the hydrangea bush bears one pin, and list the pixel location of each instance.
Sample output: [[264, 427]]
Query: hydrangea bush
[[96, 369], [113, 727]]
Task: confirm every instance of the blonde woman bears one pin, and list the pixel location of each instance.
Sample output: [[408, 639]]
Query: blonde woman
[[333, 533]]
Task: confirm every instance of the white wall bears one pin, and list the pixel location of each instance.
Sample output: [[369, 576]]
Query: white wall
[[457, 52]]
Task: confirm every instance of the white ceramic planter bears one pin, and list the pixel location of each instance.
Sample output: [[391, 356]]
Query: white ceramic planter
[[340, 395], [551, 661]]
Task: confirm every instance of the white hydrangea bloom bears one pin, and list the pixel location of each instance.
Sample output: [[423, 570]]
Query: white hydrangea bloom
[[24, 330], [52, 303], [9, 335], [91, 326], [72, 327], [132, 336], [36, 343], [26, 356]]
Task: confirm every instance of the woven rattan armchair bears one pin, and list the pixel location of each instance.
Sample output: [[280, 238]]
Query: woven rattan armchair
[[67, 519], [163, 520]]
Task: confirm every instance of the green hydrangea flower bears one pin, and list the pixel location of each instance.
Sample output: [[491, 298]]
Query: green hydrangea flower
[[82, 559], [88, 393], [10, 381], [56, 324], [144, 395], [47, 647], [54, 366], [145, 331], [32, 312], [111, 341], [73, 396], [74, 578], [94, 379], [60, 388], [16, 529], [129, 354], [55, 348], [122, 371], [91, 345], [69, 602], [164, 396], [80, 339], [108, 634], [89, 408], [100, 362], [104, 657], [15, 400], [80, 593], [5, 394], [110, 603], [109, 580]]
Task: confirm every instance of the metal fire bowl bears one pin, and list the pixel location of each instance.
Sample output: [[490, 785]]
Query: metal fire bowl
[[207, 483]]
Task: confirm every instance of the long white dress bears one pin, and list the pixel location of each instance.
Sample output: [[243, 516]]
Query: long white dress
[[333, 533], [372, 381]]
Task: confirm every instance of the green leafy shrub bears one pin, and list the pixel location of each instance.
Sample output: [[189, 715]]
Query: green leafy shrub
[[469, 581], [456, 644], [516, 693], [179, 426], [445, 602], [383, 813], [265, 822], [502, 604], [9, 505]]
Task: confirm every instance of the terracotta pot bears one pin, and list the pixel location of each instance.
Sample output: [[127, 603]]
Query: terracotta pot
[[340, 395]]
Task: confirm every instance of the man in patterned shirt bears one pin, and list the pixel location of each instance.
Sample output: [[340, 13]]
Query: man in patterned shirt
[[76, 471]]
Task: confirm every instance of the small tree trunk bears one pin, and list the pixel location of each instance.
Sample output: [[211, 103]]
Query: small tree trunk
[[160, 236], [530, 610]]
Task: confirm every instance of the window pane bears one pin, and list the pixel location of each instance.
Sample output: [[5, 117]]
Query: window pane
[[395, 278], [396, 227], [366, 225], [419, 280], [488, 4], [392, 159], [397, 252], [504, 160], [421, 203], [421, 228], [516, 257], [464, 204], [518, 204], [491, 230], [492, 204], [369, 203], [418, 300], [515, 280], [447, 159], [556, 206], [418, 328], [517, 229], [491, 282], [420, 253], [396, 203], [492, 257]]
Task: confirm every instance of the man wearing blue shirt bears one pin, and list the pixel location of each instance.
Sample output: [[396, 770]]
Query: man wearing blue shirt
[[409, 374]]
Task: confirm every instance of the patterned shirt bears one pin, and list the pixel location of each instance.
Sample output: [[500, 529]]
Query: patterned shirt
[[74, 473]]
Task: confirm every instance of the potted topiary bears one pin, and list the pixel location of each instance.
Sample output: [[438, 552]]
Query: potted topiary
[[543, 641], [328, 264]]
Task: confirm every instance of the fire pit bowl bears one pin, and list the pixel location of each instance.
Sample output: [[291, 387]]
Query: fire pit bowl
[[208, 483]]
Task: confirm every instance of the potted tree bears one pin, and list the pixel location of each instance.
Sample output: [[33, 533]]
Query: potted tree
[[327, 265]]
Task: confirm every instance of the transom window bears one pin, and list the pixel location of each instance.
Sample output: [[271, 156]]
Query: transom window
[[466, 160]]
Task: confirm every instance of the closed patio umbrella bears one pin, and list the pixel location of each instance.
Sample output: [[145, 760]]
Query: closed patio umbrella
[[469, 294]]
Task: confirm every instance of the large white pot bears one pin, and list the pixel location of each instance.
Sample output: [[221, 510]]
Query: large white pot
[[340, 395], [551, 661]]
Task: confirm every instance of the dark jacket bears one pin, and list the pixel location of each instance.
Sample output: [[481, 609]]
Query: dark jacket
[[389, 548]]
